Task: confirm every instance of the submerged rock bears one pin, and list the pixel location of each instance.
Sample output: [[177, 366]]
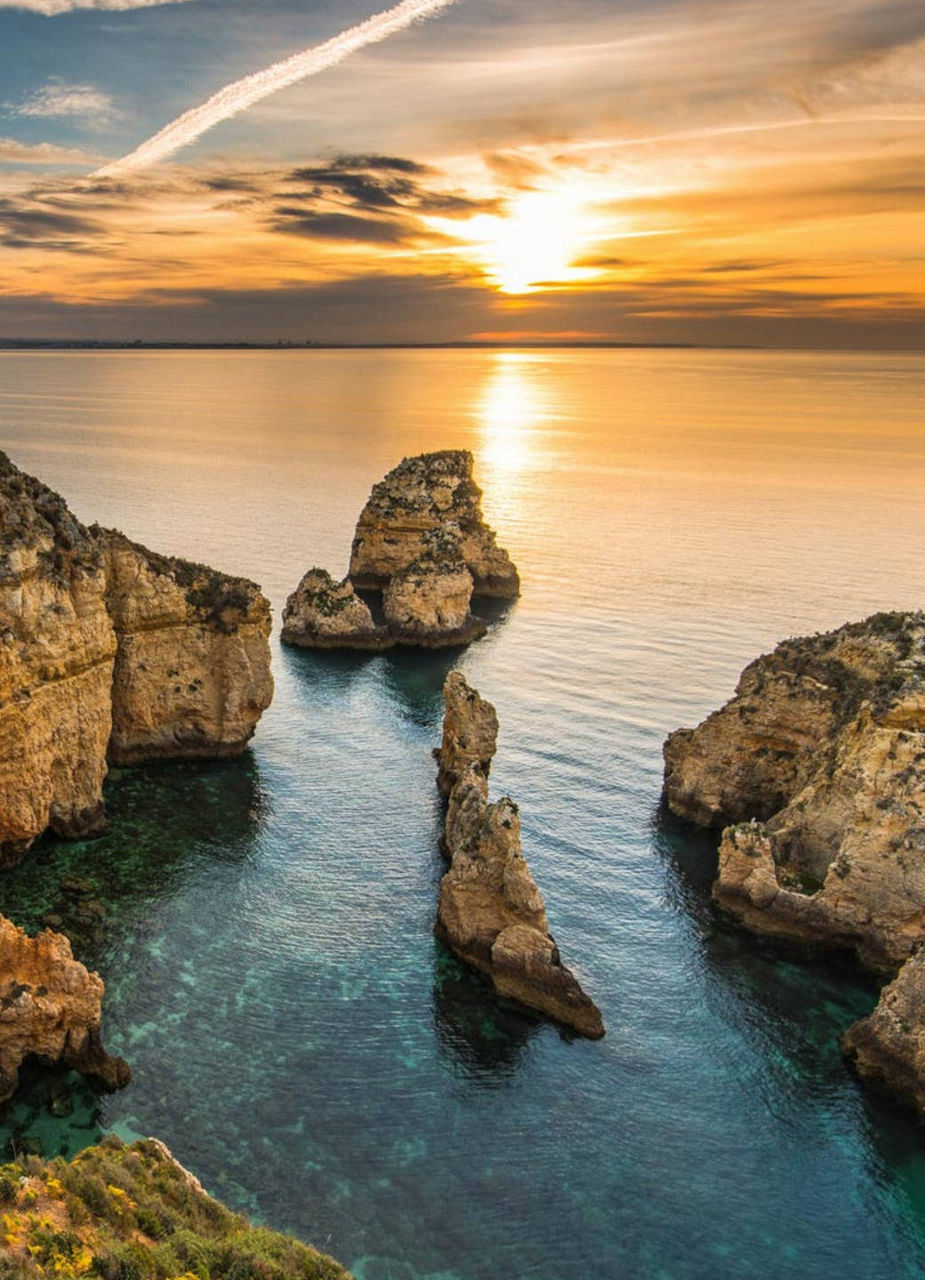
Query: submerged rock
[[819, 760], [491, 913], [50, 1010], [324, 614], [430, 494], [107, 648]]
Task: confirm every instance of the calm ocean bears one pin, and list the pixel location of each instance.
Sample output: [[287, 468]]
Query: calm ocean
[[298, 1038]]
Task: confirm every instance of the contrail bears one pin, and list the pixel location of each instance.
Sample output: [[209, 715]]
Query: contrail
[[242, 94]]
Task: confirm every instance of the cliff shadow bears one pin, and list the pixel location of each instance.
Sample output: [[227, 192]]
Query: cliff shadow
[[791, 999], [165, 821], [54, 1112], [480, 1036]]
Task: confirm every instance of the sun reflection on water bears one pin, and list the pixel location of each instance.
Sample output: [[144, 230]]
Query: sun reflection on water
[[511, 412]]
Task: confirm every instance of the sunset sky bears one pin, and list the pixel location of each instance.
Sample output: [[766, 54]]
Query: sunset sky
[[735, 171]]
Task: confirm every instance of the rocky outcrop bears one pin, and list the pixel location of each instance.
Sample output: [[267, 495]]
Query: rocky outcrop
[[431, 494], [324, 614], [50, 1011], [888, 1048], [107, 648], [819, 761], [426, 604], [192, 674], [491, 913], [470, 733]]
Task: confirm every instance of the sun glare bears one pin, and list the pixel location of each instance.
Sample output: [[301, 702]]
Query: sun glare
[[533, 244]]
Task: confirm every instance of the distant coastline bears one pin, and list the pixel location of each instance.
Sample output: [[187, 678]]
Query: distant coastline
[[74, 344]]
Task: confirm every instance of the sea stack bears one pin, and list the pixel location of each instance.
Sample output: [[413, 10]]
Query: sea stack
[[109, 650], [50, 1010], [491, 913], [816, 769], [432, 494], [325, 614], [422, 542]]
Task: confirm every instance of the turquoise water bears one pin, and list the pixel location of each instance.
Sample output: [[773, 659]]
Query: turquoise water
[[298, 1038]]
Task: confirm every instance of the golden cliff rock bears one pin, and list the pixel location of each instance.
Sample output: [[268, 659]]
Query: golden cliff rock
[[107, 649], [491, 913]]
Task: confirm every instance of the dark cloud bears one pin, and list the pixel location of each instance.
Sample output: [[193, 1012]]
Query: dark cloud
[[27, 225], [298, 221]]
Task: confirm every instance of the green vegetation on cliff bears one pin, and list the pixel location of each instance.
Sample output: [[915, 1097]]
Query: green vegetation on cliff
[[132, 1213]]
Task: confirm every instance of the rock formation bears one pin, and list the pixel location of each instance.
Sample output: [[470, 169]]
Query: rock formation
[[192, 674], [57, 653], [430, 494], [50, 1011], [422, 541], [427, 603], [823, 746], [490, 913], [470, 733], [819, 761], [107, 647], [888, 1047], [324, 614]]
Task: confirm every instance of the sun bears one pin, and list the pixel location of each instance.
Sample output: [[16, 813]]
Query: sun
[[534, 243]]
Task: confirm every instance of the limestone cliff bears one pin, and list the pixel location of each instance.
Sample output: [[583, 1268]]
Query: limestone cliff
[[57, 654], [324, 614], [431, 493], [106, 647], [824, 747], [819, 760], [50, 1011], [192, 674], [491, 913]]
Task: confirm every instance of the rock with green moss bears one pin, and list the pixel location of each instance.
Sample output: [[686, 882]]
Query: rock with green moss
[[120, 1212], [431, 494], [325, 614], [426, 604]]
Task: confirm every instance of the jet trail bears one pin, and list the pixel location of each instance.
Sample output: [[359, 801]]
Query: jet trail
[[242, 94]]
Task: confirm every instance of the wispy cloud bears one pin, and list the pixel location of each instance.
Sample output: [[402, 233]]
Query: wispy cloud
[[58, 100], [52, 8], [241, 94], [43, 153]]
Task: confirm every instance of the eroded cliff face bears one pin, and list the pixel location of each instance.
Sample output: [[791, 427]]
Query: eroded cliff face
[[192, 673], [57, 655], [50, 1011], [819, 760], [821, 755], [106, 647], [888, 1048], [490, 911], [434, 493]]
